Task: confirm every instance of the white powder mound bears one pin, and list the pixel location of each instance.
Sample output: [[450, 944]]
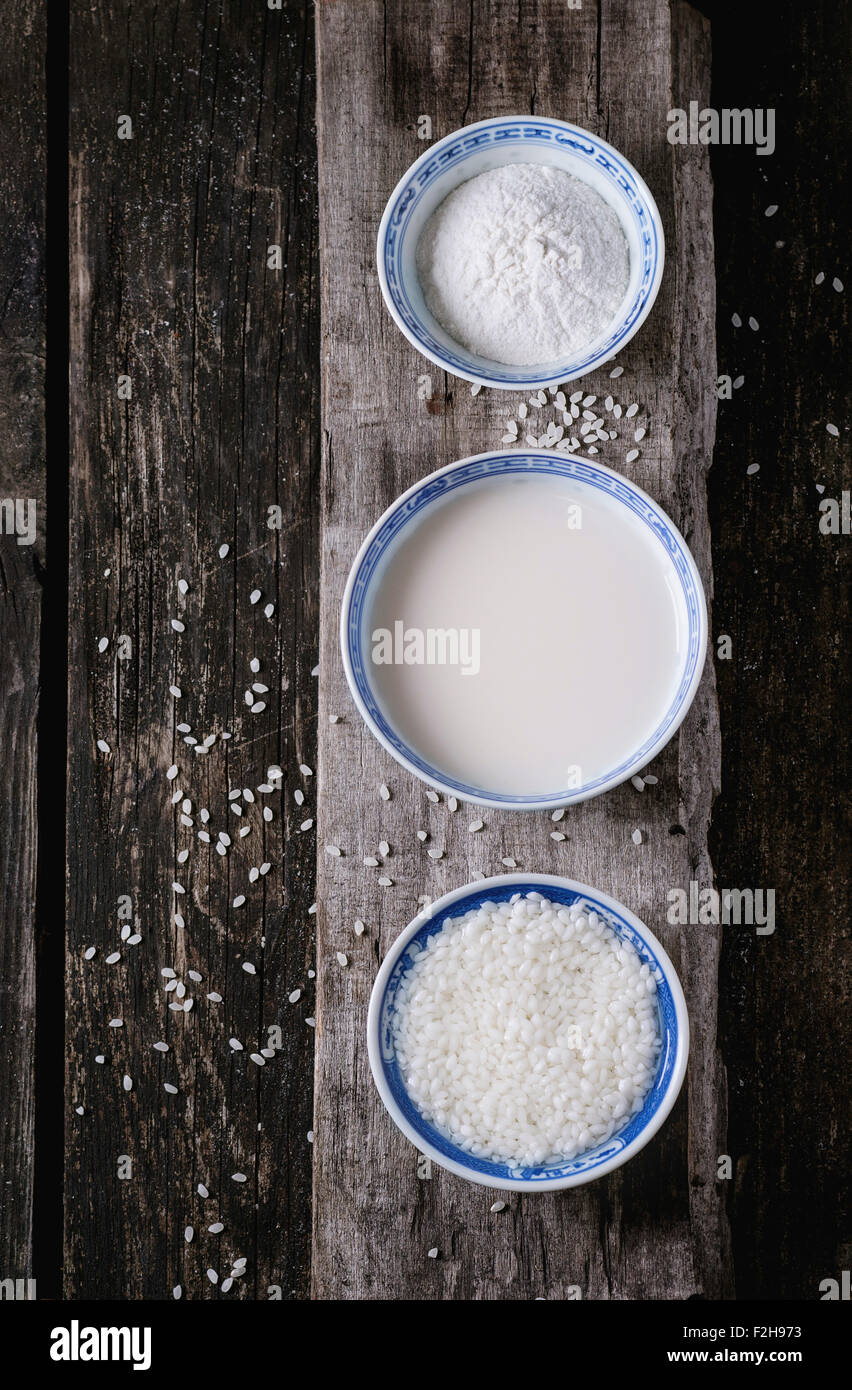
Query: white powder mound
[[527, 1032], [524, 264]]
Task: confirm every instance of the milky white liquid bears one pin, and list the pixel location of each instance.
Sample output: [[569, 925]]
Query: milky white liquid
[[582, 634]]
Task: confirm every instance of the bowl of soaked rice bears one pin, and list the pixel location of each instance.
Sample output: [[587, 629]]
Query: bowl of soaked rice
[[528, 1033]]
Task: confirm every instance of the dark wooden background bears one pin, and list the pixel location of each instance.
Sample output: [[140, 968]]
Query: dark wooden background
[[170, 285]]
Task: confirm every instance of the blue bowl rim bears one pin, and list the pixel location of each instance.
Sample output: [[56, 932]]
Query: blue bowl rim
[[522, 382], [529, 882], [476, 797]]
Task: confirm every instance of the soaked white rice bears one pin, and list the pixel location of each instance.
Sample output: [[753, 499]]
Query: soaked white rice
[[527, 1032]]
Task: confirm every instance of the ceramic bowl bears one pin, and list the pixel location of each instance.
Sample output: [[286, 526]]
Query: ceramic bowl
[[488, 145], [585, 1167], [407, 511]]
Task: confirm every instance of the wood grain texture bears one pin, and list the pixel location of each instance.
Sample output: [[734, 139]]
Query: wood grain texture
[[783, 595], [172, 286], [22, 481], [656, 1228]]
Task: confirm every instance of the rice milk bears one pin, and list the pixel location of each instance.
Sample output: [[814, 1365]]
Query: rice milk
[[570, 635]]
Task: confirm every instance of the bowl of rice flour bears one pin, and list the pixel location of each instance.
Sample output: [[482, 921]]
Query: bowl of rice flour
[[528, 1033], [520, 253]]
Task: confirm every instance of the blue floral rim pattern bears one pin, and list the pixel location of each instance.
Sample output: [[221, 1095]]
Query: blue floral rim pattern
[[445, 482], [593, 1158], [503, 134]]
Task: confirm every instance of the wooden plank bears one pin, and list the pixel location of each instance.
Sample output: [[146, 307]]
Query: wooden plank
[[657, 1228], [783, 594], [22, 562], [172, 286]]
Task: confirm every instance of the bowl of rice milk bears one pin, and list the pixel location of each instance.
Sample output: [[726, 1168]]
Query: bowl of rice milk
[[528, 1033], [520, 252], [524, 629]]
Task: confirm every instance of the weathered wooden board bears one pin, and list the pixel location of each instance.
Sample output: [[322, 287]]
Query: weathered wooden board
[[784, 597], [176, 288], [657, 1228], [22, 562]]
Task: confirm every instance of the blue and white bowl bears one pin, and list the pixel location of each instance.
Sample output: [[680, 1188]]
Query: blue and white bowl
[[488, 145], [408, 510], [586, 1167]]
